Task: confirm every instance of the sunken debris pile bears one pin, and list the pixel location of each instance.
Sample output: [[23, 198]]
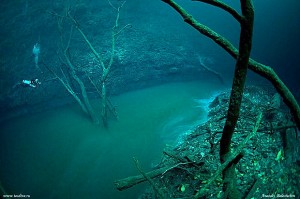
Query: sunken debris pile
[[269, 165]]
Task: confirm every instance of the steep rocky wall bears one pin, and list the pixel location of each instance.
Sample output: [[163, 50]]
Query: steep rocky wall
[[152, 51]]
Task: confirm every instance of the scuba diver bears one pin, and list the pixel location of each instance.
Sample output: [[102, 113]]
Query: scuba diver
[[31, 83]]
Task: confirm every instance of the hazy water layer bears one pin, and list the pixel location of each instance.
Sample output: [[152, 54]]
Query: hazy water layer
[[60, 154]]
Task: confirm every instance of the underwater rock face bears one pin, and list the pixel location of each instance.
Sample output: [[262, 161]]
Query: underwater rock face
[[143, 56]]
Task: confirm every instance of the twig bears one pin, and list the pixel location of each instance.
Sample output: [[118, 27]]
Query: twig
[[112, 5], [172, 155], [175, 166], [122, 29], [218, 75]]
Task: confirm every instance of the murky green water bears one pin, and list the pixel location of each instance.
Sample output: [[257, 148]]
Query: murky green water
[[60, 154]]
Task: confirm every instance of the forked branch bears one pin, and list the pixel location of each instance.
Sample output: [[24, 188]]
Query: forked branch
[[261, 69], [225, 7]]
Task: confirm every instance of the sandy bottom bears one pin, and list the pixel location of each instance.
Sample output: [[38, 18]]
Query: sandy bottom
[[61, 154]]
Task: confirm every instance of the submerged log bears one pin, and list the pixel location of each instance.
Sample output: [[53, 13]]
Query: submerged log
[[128, 182]]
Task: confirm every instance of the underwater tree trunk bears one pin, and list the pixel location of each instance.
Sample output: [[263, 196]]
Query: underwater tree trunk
[[85, 103], [86, 100], [105, 68], [104, 105], [239, 79], [261, 69], [105, 71], [240, 74]]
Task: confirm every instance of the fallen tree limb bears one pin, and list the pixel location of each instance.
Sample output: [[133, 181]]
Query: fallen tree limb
[[134, 180], [128, 182]]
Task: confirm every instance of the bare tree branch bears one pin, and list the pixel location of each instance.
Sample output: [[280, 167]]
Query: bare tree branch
[[225, 7], [218, 75], [67, 86], [97, 55], [261, 69]]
